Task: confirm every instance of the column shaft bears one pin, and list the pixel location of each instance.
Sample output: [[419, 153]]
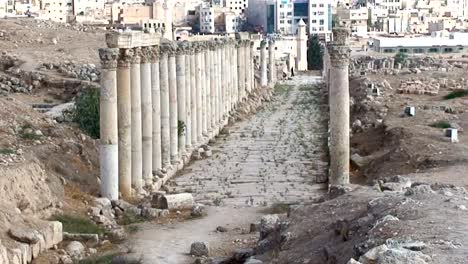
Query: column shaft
[[213, 76], [156, 110], [181, 102], [248, 69], [208, 73], [198, 63], [271, 62], [135, 77], [240, 70], [165, 130], [263, 65], [146, 117], [188, 99], [203, 91], [108, 122], [173, 117], [222, 98], [193, 95]]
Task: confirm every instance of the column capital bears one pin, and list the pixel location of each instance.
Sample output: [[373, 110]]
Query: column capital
[[108, 58], [136, 58], [154, 53], [183, 47], [146, 54], [251, 43], [339, 55], [263, 44], [341, 35], [212, 45], [168, 47], [271, 42], [125, 57]]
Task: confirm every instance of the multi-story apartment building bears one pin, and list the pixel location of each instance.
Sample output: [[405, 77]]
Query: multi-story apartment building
[[85, 7], [238, 7], [357, 18], [284, 16], [207, 19], [320, 18], [56, 10]]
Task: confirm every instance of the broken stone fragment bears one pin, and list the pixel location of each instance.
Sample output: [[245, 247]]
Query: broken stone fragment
[[76, 250], [24, 235], [199, 249]]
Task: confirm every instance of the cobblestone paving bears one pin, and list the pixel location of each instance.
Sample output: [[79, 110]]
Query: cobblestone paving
[[276, 156]]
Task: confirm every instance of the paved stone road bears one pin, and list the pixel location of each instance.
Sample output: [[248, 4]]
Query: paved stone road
[[275, 156], [272, 157]]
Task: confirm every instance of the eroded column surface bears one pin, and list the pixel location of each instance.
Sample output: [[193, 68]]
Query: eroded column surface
[[198, 64], [222, 98], [193, 93], [240, 70], [165, 125], [109, 158], [339, 107], [135, 77], [188, 99], [146, 116], [235, 89], [203, 89], [181, 89], [248, 69], [156, 108], [208, 74], [227, 68], [218, 95], [271, 62], [124, 122], [263, 64], [213, 76], [173, 115]]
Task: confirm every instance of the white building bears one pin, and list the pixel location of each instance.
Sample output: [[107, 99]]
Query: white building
[[57, 10], [320, 18], [238, 7], [284, 17], [232, 22], [85, 7], [207, 20]]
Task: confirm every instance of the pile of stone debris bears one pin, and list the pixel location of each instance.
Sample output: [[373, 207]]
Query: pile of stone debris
[[422, 86], [86, 72]]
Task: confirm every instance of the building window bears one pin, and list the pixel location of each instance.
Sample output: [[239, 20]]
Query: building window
[[320, 5], [388, 51], [313, 21], [403, 50], [314, 5], [418, 50], [322, 22]]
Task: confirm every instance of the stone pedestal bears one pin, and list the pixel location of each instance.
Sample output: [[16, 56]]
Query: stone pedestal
[[137, 159], [108, 122], [146, 116], [124, 122], [339, 107], [263, 65]]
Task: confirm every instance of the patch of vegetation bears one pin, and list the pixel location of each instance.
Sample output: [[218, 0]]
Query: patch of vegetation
[[277, 208], [456, 94], [281, 89], [440, 124], [129, 218], [86, 112], [305, 87], [7, 151], [78, 224], [314, 54], [400, 57], [27, 132]]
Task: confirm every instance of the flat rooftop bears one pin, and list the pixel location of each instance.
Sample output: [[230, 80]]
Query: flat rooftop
[[420, 42]]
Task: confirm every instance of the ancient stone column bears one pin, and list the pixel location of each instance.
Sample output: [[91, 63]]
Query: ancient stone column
[[135, 78], [173, 115], [188, 99], [108, 150], [156, 108], [220, 84], [146, 116], [165, 124], [203, 89], [240, 70], [252, 66], [208, 73], [181, 89], [271, 62], [235, 75], [213, 83], [124, 104], [339, 107], [263, 64], [227, 79], [198, 79], [193, 93]]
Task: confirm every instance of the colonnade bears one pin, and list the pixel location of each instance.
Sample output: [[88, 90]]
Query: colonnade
[[162, 99]]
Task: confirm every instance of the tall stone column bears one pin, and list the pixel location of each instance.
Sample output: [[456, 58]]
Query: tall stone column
[[188, 99], [135, 78], [198, 64], [249, 70], [235, 75], [208, 73], [240, 70], [222, 98], [227, 80], [219, 86], [203, 89], [193, 93], [146, 116], [263, 64], [108, 150], [173, 116], [339, 107], [213, 82], [156, 109], [271, 62], [165, 124], [181, 89], [124, 104], [252, 66]]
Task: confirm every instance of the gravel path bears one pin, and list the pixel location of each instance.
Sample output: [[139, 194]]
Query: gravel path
[[274, 157]]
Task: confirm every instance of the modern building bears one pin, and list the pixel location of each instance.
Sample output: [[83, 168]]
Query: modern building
[[207, 19], [356, 18], [455, 43], [56, 10], [238, 7]]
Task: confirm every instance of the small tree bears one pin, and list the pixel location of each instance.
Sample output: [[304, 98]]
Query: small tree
[[86, 113], [400, 57], [314, 54]]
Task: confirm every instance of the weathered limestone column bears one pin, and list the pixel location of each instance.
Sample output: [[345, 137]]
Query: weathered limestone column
[[240, 70], [263, 64], [208, 73], [198, 64], [146, 116], [227, 80], [181, 89], [252, 66], [108, 150], [213, 79], [188, 99], [233, 74], [156, 109], [271, 62], [124, 104], [193, 93], [222, 97], [165, 125], [219, 90], [339, 107], [135, 78], [203, 89], [173, 117]]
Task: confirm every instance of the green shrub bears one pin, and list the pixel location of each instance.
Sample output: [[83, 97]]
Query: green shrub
[[7, 151], [440, 124], [86, 113], [129, 218], [78, 224], [456, 94], [400, 57]]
